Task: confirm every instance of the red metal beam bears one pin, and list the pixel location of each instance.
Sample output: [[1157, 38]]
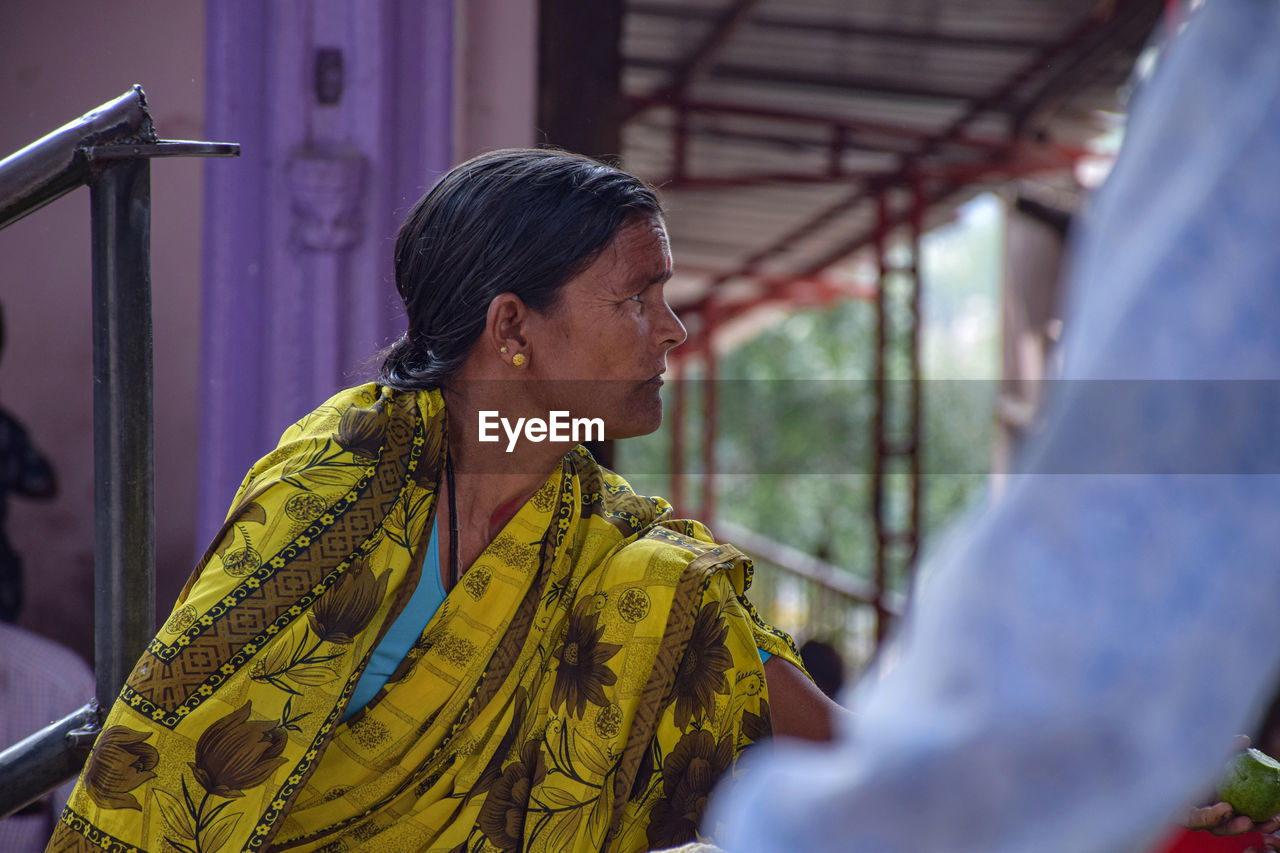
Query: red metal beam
[[857, 132], [678, 403], [919, 209], [880, 233], [710, 415], [876, 86], [1018, 163], [722, 182], [799, 290], [853, 126], [680, 146]]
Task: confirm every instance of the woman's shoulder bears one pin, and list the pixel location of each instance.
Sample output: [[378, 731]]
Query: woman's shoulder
[[651, 517], [685, 543], [335, 444]]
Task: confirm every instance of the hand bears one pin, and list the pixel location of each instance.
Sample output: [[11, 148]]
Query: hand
[[1221, 819]]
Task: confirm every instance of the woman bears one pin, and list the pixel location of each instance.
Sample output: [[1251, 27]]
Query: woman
[[407, 637]]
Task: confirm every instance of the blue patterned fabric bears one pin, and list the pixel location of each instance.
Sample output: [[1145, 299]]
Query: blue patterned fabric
[[1081, 654]]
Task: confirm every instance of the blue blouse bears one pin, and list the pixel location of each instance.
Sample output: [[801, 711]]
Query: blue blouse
[[400, 637]]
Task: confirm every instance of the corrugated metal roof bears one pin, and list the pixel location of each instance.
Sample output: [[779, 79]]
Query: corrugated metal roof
[[772, 124]]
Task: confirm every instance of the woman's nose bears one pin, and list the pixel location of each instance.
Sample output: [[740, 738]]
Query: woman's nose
[[673, 331]]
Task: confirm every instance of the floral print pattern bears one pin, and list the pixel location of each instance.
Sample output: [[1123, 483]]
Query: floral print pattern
[[343, 612], [688, 776], [121, 761], [583, 672], [360, 431], [502, 816], [702, 669], [237, 752]]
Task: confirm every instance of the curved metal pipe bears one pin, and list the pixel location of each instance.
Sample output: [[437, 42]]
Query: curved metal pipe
[[37, 764], [55, 164]]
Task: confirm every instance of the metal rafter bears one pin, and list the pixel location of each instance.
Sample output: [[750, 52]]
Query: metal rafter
[[780, 245], [875, 86], [702, 57]]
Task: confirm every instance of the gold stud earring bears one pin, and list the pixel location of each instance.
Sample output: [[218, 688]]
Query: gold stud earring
[[502, 349], [518, 359]]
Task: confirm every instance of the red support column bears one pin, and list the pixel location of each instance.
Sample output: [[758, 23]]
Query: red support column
[[710, 425], [919, 206], [678, 400], [880, 576]]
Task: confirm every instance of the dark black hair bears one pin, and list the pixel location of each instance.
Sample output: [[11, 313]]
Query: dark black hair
[[520, 221]]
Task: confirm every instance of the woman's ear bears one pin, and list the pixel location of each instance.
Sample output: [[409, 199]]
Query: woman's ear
[[504, 329]]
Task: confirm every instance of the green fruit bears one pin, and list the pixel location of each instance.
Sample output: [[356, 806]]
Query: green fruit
[[1251, 784]]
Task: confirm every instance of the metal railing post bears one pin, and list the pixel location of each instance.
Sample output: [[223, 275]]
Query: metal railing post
[[110, 149], [124, 505]]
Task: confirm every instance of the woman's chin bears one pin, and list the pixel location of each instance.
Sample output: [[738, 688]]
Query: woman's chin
[[635, 423]]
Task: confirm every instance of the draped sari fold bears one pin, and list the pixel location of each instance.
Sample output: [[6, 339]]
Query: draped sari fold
[[582, 687]]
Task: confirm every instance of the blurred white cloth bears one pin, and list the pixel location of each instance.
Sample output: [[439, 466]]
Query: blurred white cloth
[[1081, 655]]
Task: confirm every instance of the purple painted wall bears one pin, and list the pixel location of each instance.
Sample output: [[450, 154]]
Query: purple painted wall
[[299, 294]]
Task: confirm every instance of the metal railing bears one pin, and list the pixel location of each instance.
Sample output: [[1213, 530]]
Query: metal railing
[[811, 598], [109, 150]]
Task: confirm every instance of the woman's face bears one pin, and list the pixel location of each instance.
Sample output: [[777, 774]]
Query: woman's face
[[603, 346]]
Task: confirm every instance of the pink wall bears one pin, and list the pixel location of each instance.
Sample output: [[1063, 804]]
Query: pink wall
[[57, 61], [496, 94]]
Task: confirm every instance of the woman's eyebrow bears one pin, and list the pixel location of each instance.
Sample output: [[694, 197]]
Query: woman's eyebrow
[[658, 277]]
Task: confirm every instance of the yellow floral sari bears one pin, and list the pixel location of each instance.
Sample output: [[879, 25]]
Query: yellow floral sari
[[587, 681]]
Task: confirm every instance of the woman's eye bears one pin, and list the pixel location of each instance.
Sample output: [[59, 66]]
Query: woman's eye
[[637, 298]]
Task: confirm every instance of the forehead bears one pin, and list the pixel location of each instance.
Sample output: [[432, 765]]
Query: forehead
[[640, 247]]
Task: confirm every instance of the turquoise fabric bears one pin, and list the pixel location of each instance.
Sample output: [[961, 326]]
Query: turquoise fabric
[[423, 604]]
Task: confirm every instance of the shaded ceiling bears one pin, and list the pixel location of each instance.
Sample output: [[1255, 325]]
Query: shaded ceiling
[[772, 125]]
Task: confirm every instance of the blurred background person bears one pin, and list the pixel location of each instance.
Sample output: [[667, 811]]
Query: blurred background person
[[824, 664], [24, 472], [40, 681]]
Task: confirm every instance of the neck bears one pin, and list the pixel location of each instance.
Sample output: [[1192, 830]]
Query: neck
[[493, 477]]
